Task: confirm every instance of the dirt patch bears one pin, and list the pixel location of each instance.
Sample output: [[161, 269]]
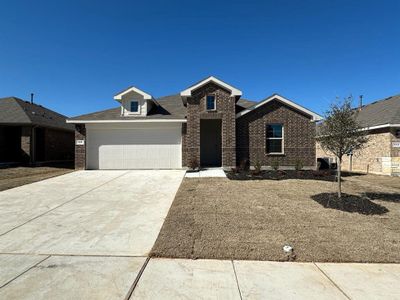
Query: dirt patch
[[253, 219], [14, 177]]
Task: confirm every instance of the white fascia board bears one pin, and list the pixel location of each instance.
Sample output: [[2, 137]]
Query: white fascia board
[[133, 89], [234, 91], [128, 121], [381, 126], [315, 117]]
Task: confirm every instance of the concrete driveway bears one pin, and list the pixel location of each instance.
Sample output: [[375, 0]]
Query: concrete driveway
[[89, 229], [86, 235]]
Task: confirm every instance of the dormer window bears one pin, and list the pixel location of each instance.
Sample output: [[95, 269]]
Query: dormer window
[[134, 106], [135, 102], [211, 102]]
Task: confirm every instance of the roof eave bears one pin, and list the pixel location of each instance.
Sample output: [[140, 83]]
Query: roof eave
[[145, 95], [234, 91], [128, 121], [315, 117]]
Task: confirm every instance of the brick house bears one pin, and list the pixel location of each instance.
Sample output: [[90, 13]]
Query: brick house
[[31, 133], [381, 154], [207, 123]]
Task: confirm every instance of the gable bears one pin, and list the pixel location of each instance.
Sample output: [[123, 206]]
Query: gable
[[276, 97], [234, 92]]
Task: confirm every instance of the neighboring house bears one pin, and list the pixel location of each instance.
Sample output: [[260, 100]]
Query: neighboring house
[[381, 154], [206, 123], [31, 133]]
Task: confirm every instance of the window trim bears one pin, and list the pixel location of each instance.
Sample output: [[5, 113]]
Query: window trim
[[215, 102], [275, 138], [130, 107]]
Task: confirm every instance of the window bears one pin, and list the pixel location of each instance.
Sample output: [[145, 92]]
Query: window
[[274, 143], [211, 102], [134, 106]]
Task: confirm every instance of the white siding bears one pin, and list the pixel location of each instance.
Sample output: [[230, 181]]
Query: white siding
[[134, 146]]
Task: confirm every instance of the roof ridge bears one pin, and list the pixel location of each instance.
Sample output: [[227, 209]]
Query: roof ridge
[[18, 101], [380, 100]]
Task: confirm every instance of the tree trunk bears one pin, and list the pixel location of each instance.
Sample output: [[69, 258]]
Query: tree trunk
[[339, 177]]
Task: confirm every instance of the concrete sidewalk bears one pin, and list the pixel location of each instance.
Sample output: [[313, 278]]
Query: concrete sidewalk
[[112, 277], [224, 279]]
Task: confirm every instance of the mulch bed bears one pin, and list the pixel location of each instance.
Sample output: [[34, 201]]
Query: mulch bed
[[350, 203], [326, 175]]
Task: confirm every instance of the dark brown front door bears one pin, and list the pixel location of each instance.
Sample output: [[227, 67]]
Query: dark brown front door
[[210, 143]]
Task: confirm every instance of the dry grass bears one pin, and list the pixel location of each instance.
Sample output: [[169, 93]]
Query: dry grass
[[13, 177], [223, 219]]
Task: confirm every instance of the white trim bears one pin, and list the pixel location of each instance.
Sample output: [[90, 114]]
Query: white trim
[[274, 138], [234, 91], [381, 126], [315, 117], [128, 121], [133, 89], [139, 107]]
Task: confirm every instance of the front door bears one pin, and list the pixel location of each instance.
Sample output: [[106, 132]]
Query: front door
[[210, 143]]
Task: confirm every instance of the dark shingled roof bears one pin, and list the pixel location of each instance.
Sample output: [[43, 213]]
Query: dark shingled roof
[[170, 107], [385, 111], [15, 111]]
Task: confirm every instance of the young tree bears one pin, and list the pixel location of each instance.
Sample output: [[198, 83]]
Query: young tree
[[341, 134]]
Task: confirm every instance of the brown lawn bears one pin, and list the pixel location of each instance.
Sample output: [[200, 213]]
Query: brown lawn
[[231, 219], [13, 177]]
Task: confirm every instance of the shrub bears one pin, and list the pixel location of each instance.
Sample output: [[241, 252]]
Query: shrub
[[193, 164], [235, 170], [257, 167], [243, 165], [298, 165], [275, 165]]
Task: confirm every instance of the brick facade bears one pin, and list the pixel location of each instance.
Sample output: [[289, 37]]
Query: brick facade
[[377, 157], [80, 150], [299, 136], [26, 144], [196, 110], [59, 145]]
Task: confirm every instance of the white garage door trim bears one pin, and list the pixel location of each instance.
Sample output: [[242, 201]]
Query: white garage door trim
[[134, 146]]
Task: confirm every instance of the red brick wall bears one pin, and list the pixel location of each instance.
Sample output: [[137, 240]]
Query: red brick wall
[[299, 136]]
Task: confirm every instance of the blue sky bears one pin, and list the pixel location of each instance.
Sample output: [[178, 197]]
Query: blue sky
[[75, 55]]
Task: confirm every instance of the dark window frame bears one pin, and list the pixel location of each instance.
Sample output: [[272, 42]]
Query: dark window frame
[[130, 106], [215, 102]]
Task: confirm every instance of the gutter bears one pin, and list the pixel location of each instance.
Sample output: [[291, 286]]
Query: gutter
[[128, 121], [381, 126]]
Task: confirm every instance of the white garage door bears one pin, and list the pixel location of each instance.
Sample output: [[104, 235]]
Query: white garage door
[[134, 146]]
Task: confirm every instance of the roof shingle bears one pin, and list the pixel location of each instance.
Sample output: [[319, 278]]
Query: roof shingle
[[15, 111], [170, 107], [385, 111]]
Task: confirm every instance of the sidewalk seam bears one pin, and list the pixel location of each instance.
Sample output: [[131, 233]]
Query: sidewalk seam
[[58, 206], [334, 283], [30, 268], [136, 281], [237, 281]]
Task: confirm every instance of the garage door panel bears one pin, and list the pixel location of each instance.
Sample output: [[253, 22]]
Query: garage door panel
[[134, 148]]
